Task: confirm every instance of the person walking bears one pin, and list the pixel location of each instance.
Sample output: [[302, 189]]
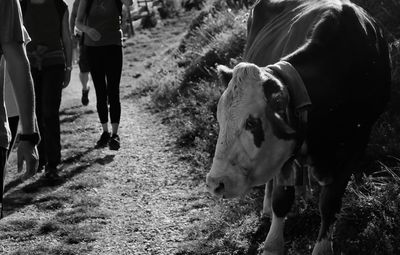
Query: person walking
[[13, 49], [83, 61], [50, 56], [9, 97], [99, 20]]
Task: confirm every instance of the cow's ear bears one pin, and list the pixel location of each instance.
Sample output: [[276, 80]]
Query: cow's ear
[[277, 102], [224, 74]]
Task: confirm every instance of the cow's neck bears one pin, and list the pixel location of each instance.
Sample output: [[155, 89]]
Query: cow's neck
[[319, 74]]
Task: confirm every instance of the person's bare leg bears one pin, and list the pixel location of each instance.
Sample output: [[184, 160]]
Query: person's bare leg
[[114, 127], [105, 127], [84, 78]]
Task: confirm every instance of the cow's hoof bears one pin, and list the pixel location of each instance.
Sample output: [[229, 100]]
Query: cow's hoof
[[323, 247]]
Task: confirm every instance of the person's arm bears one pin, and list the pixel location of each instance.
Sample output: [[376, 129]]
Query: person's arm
[[19, 71], [74, 12], [2, 70], [21, 79], [80, 22], [67, 43]]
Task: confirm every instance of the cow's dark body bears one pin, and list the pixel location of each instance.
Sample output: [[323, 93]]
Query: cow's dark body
[[345, 66], [347, 75]]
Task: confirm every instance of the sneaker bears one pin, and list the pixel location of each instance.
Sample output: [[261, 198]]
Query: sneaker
[[114, 142], [103, 141], [85, 96], [41, 167], [51, 173]]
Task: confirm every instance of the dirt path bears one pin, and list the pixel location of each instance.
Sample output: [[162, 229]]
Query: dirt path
[[139, 200]]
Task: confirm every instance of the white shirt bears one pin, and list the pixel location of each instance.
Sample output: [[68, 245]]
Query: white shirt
[[9, 97]]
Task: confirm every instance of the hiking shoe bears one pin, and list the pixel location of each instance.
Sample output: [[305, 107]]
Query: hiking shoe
[[51, 173], [114, 142], [41, 167], [52, 176], [85, 96], [104, 139]]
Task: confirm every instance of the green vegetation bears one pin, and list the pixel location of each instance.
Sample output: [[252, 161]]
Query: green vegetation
[[185, 91], [185, 84]]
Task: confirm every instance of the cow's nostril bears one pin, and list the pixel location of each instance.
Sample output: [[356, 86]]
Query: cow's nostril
[[220, 188]]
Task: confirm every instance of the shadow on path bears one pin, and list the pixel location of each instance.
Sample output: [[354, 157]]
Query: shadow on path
[[27, 195], [73, 116]]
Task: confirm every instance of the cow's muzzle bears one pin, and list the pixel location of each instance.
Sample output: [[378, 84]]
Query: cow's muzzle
[[216, 185]]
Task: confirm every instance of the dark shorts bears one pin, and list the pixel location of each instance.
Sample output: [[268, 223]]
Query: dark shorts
[[83, 60]]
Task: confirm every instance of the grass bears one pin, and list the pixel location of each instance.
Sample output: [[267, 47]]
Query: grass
[[186, 92], [79, 214], [44, 250], [229, 229], [86, 184], [78, 234], [53, 201], [68, 216], [370, 218], [48, 227], [74, 223], [18, 230]]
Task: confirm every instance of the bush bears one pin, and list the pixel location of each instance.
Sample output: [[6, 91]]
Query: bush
[[225, 48], [209, 11], [192, 4], [185, 86]]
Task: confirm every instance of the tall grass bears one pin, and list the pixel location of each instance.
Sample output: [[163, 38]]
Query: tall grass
[[370, 220], [185, 87]]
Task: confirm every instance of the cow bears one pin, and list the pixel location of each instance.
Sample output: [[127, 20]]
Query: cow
[[314, 79]]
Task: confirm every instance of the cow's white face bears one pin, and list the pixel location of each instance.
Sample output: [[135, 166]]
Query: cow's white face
[[251, 147]]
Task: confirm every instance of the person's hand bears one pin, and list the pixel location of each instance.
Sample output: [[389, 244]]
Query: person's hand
[[67, 77], [27, 152], [74, 40], [93, 34]]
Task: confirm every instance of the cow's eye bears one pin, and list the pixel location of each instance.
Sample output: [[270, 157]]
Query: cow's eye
[[254, 126], [251, 123]]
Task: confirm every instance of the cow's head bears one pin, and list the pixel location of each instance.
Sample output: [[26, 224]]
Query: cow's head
[[254, 139]]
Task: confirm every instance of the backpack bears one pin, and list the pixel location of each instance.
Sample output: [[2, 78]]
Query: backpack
[[61, 7]]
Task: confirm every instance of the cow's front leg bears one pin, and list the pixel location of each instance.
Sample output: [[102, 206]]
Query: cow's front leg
[[330, 203], [267, 204], [282, 200]]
